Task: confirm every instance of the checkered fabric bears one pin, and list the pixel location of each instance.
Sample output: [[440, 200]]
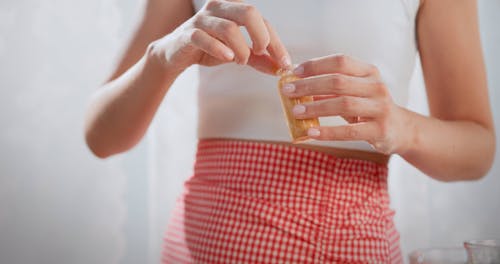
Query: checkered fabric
[[251, 202]]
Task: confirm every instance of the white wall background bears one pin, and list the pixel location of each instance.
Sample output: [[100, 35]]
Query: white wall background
[[58, 204]]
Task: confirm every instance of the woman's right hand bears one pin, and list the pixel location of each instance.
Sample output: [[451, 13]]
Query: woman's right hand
[[213, 36]]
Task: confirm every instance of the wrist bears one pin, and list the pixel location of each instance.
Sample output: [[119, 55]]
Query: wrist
[[409, 134]]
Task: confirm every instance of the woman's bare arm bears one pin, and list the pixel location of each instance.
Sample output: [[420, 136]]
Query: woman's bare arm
[[456, 142], [121, 110], [170, 39]]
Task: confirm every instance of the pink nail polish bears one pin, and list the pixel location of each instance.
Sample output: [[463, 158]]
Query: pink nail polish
[[288, 88], [299, 70], [258, 52], [229, 54], [297, 127], [299, 109], [313, 132]]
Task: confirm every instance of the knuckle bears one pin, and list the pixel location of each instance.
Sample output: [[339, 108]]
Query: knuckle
[[317, 109], [351, 132], [380, 88], [194, 34], [249, 12], [341, 60], [347, 104], [372, 69], [228, 28], [213, 4], [338, 82], [197, 20]]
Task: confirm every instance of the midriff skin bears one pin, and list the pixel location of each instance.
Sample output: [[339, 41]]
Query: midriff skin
[[376, 157]]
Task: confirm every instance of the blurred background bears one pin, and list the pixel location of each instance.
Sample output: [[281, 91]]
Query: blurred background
[[59, 204]]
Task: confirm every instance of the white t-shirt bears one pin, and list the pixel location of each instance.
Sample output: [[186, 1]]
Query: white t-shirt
[[239, 102]]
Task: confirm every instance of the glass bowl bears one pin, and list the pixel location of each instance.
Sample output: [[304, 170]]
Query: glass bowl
[[444, 255], [483, 251]]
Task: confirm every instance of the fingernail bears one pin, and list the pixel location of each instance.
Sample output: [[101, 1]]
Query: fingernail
[[229, 54], [258, 52], [299, 109], [313, 132], [238, 61], [288, 88], [245, 62], [299, 70], [286, 62]]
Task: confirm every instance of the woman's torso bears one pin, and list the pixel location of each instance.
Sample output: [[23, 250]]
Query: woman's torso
[[239, 102]]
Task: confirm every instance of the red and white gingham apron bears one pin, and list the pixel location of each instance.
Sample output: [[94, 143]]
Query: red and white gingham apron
[[250, 202]]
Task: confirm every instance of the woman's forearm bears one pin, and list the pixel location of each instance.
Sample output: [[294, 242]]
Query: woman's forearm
[[459, 145], [449, 150], [121, 110], [456, 87]]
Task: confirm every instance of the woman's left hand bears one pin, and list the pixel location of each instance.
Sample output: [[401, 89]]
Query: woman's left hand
[[344, 86]]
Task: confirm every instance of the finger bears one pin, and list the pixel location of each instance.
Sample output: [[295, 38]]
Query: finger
[[352, 119], [211, 46], [331, 84], [228, 32], [338, 63], [244, 15], [209, 60], [338, 106], [323, 97], [263, 63], [276, 48], [359, 131]]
